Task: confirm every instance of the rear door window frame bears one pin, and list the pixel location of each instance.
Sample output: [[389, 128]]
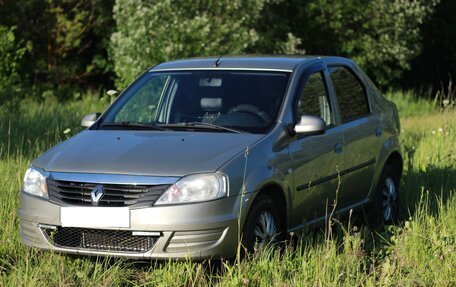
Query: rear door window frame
[[336, 99]]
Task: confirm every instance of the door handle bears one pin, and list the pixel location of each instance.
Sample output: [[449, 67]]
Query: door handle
[[338, 148], [378, 132]]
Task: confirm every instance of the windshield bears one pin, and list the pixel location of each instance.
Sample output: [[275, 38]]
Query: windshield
[[246, 101]]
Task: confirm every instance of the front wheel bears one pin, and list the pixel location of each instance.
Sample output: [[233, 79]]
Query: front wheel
[[263, 226]]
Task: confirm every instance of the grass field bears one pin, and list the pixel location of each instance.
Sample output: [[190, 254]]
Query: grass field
[[419, 251]]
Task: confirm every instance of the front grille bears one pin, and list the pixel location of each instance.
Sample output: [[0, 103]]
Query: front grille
[[99, 239], [78, 193]]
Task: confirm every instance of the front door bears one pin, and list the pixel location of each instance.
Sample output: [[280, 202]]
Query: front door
[[316, 160]]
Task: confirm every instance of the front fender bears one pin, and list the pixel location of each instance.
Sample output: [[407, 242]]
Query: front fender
[[257, 168]]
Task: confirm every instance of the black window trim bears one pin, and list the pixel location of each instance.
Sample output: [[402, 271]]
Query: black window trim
[[366, 94]]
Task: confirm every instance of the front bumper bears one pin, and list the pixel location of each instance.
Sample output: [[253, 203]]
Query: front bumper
[[198, 231]]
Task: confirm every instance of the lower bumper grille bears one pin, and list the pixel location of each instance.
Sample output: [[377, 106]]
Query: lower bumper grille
[[99, 239]]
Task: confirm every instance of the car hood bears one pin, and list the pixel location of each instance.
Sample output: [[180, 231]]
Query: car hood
[[158, 153]]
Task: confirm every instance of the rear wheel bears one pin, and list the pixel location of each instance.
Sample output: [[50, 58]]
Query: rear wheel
[[263, 226], [389, 200], [384, 207]]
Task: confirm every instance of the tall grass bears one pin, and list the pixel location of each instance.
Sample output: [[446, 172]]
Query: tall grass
[[37, 126], [409, 104], [420, 251]]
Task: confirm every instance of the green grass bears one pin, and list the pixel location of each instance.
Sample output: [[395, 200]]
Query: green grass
[[409, 104], [418, 252]]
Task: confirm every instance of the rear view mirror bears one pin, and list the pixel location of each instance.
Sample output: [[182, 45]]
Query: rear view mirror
[[210, 82], [310, 125], [89, 119]]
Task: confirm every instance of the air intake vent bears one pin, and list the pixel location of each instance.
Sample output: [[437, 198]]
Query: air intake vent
[[99, 239]]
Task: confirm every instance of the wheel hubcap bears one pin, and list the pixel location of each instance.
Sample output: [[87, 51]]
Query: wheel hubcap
[[266, 229], [389, 199]]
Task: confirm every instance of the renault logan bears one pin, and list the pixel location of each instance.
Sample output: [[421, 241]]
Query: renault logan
[[197, 154]]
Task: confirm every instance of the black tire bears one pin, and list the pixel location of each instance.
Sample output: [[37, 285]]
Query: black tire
[[263, 226], [385, 203]]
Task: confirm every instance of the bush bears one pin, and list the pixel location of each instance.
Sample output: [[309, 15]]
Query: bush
[[149, 32], [381, 36], [11, 55]]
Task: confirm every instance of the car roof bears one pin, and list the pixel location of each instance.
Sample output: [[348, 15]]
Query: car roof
[[284, 63]]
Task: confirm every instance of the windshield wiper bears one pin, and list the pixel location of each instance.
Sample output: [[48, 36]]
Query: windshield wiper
[[133, 125], [200, 125]]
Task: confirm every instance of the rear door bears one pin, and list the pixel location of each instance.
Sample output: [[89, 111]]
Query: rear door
[[315, 159], [361, 132]]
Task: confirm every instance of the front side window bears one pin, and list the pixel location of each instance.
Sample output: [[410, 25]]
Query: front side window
[[313, 99], [143, 107], [350, 93], [248, 101]]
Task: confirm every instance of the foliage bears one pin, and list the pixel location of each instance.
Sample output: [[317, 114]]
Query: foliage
[[66, 40], [150, 32], [435, 66], [11, 56], [71, 36], [381, 36], [402, 42]]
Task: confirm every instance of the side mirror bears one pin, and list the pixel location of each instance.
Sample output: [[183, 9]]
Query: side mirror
[[89, 119], [310, 125]]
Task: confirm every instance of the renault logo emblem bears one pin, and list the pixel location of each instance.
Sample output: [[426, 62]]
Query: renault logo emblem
[[97, 193]]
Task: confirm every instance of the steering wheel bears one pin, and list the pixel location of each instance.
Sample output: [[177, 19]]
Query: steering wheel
[[253, 110]]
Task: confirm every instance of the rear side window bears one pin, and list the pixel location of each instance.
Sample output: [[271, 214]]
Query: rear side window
[[350, 93]]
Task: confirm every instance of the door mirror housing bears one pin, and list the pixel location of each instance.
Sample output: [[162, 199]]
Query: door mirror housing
[[90, 119], [310, 125]]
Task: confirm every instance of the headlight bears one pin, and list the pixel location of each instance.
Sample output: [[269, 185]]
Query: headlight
[[35, 182], [195, 188]]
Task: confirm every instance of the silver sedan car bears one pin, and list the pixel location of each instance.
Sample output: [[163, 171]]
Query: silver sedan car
[[198, 156]]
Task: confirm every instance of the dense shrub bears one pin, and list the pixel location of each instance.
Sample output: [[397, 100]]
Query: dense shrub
[[149, 32], [11, 54], [66, 41], [382, 36]]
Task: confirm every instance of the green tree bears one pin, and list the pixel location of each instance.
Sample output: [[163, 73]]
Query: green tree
[[11, 56], [66, 40], [149, 32], [75, 47], [435, 66], [382, 36]]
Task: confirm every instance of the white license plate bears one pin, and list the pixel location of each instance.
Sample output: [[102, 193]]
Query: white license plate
[[96, 217]]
